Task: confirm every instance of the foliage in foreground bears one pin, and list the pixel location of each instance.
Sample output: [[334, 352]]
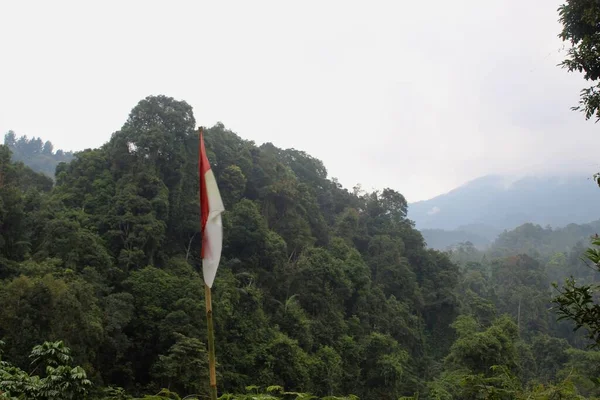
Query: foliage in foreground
[[55, 378], [52, 377], [578, 302], [580, 20]]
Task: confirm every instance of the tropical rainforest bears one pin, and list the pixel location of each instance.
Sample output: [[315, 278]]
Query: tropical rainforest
[[322, 292]]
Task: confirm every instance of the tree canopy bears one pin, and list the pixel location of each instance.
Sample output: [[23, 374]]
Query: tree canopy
[[320, 290]]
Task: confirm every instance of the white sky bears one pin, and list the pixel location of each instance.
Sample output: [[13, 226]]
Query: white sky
[[417, 96]]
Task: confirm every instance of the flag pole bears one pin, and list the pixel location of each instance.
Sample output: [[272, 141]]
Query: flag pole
[[211, 343], [208, 295]]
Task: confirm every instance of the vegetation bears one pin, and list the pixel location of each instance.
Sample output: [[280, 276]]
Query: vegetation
[[580, 20], [37, 154], [578, 301], [528, 237], [321, 291]]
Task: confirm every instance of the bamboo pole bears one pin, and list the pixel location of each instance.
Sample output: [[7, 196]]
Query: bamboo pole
[[211, 344]]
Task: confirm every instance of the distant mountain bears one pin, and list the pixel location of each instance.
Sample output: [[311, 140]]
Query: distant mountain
[[483, 208]]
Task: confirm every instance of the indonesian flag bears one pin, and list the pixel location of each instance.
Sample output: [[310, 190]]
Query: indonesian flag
[[211, 207]]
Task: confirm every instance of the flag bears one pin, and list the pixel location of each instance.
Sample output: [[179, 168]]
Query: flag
[[211, 207]]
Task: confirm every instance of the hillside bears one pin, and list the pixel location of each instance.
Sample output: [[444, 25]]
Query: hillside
[[481, 209], [319, 290], [541, 242]]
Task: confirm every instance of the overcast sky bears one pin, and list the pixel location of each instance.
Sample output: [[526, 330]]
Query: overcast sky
[[417, 96]]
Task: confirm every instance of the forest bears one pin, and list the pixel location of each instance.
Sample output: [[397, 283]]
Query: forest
[[322, 292]]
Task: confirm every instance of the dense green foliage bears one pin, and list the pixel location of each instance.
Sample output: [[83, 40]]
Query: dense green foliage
[[320, 290], [56, 379], [578, 299], [37, 154], [581, 28]]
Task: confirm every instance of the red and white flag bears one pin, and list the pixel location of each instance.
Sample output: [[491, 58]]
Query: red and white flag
[[211, 207]]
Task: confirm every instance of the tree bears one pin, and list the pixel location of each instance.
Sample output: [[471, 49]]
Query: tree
[[10, 139], [57, 379], [233, 184], [185, 366], [579, 303], [581, 28], [48, 148]]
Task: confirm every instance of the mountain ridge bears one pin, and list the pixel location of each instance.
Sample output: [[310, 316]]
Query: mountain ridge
[[481, 209]]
